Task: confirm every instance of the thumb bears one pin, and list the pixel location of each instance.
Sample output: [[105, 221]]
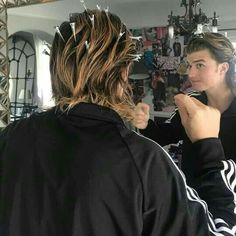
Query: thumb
[[144, 107], [179, 101]]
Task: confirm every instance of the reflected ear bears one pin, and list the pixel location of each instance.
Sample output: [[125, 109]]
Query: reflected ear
[[224, 67]]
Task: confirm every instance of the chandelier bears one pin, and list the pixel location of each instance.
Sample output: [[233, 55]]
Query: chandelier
[[193, 21]]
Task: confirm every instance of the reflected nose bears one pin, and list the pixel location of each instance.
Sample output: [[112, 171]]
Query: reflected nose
[[191, 72]]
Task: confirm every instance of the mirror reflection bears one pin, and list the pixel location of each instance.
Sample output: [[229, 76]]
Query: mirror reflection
[[163, 29], [189, 51]]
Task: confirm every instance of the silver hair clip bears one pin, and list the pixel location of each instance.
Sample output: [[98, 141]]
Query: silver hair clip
[[83, 4], [92, 19], [72, 25], [87, 44], [106, 10], [136, 37], [98, 7], [121, 34], [137, 57], [48, 45], [45, 52], [201, 35], [59, 32]]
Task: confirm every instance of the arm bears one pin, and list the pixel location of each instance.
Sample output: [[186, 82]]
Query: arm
[[170, 207], [216, 182], [182, 208]]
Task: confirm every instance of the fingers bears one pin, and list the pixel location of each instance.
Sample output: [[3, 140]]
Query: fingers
[[188, 106], [141, 115], [143, 107], [193, 115], [187, 103]]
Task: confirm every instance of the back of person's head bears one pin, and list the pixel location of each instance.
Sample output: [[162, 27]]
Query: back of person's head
[[220, 49], [92, 64]]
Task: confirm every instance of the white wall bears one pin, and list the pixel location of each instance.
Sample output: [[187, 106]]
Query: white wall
[[32, 24]]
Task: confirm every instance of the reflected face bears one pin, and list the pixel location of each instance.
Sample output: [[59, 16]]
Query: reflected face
[[204, 71]]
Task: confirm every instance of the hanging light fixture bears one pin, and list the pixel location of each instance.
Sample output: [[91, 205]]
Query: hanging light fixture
[[193, 21]]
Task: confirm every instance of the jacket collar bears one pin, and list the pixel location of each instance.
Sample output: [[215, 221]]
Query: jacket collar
[[94, 112]]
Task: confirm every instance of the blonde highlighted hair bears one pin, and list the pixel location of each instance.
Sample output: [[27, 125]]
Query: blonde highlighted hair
[[89, 66]]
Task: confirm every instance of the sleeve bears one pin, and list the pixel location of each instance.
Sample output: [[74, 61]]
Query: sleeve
[[173, 208], [170, 131], [217, 183]]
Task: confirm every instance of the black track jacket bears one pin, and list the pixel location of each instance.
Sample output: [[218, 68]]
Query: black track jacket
[[83, 173]]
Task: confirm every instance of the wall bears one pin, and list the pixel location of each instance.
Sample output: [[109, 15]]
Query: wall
[[39, 26]]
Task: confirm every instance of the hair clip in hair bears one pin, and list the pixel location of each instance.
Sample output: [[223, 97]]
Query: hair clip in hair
[[83, 4], [72, 25], [45, 52], [121, 34], [92, 19], [136, 37], [199, 35], [137, 57], [87, 44], [48, 45], [106, 10], [59, 32]]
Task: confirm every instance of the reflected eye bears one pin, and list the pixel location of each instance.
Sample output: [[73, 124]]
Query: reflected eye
[[199, 65]]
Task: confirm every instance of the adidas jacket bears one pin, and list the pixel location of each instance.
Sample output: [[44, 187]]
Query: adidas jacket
[[83, 173]]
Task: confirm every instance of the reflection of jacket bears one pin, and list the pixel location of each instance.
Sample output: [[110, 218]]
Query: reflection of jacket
[[84, 173], [172, 131]]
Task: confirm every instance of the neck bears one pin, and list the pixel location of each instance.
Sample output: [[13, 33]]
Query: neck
[[221, 99]]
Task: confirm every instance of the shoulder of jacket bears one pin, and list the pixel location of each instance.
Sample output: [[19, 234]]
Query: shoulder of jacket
[[142, 147], [27, 125]]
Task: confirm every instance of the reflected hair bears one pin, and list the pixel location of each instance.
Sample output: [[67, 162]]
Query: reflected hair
[[89, 64], [221, 50]]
